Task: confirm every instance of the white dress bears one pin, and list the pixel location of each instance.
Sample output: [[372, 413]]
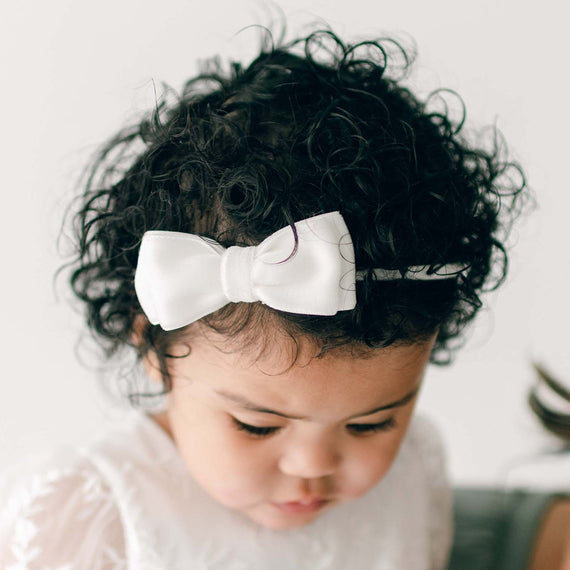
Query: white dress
[[126, 501]]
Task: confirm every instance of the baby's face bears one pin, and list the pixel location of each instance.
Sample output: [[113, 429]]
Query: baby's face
[[282, 446]]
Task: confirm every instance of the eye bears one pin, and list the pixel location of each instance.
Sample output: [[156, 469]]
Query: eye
[[256, 431], [364, 429]]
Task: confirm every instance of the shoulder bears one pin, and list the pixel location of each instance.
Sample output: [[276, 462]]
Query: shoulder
[[426, 444], [57, 511], [93, 506]]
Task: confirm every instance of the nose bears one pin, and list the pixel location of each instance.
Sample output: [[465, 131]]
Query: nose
[[310, 459]]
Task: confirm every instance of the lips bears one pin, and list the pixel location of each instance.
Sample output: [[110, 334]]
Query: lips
[[305, 506]]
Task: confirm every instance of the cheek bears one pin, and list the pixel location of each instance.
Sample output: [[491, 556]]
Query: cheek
[[243, 474], [375, 455], [229, 467], [371, 463]]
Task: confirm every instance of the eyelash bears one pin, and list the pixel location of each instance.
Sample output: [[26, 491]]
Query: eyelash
[[355, 429], [363, 429], [255, 431]]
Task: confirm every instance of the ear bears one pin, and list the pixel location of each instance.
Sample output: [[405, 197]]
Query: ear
[[152, 368], [150, 360]]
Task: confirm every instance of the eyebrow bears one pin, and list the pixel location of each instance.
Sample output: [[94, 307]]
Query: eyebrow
[[248, 405]]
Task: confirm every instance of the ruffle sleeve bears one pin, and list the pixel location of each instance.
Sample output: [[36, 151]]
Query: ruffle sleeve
[[59, 514]]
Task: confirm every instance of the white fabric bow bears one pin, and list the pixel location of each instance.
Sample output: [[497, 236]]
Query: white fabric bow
[[181, 278]]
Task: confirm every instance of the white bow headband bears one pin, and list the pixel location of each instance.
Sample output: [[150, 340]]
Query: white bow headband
[[181, 278]]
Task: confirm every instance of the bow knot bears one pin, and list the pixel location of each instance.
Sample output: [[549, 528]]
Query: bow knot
[[236, 269]]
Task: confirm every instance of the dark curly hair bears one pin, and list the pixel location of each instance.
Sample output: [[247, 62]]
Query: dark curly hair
[[309, 126]]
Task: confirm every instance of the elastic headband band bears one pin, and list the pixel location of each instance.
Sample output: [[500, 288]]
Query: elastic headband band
[[415, 273]]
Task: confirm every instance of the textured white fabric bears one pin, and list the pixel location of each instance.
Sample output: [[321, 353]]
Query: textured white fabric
[[127, 502], [180, 277]]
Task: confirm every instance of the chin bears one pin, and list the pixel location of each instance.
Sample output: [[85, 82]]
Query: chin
[[283, 524], [277, 521]]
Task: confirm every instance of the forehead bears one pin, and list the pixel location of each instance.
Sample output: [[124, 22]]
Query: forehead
[[342, 382], [276, 350]]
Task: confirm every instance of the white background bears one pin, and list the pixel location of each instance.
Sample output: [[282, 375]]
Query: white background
[[73, 72]]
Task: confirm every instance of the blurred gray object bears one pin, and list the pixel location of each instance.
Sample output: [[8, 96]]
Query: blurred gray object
[[496, 529]]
